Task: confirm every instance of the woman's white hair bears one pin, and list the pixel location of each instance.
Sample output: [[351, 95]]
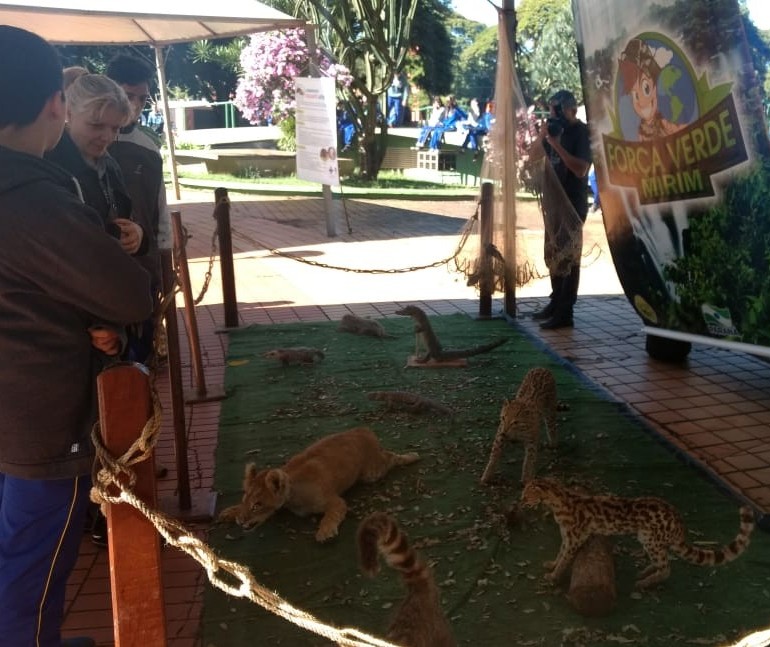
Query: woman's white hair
[[95, 93]]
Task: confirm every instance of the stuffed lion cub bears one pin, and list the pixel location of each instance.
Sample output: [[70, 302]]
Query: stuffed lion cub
[[313, 481]]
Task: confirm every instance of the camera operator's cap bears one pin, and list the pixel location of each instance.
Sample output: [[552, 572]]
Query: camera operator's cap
[[563, 98]]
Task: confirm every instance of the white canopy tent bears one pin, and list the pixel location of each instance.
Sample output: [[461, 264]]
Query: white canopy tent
[[143, 22]]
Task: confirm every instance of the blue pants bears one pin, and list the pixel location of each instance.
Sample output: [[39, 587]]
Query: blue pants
[[425, 132], [395, 111], [41, 525], [438, 134], [474, 137], [594, 185], [348, 133]]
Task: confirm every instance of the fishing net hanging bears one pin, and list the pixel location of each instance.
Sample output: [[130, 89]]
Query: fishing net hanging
[[521, 250]]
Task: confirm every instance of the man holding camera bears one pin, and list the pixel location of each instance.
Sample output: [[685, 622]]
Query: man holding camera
[[565, 140]]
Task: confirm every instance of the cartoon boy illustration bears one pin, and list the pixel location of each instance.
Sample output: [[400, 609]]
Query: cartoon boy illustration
[[640, 69]]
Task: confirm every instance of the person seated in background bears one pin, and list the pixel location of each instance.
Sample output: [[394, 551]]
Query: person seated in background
[[433, 121], [452, 117], [346, 129], [476, 133], [471, 122]]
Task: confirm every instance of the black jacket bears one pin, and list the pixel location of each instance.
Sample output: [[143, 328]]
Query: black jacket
[[95, 194], [142, 169], [59, 274]]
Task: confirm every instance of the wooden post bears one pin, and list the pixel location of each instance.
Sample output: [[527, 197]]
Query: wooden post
[[175, 382], [485, 240], [508, 19], [134, 544], [224, 233], [592, 590], [201, 394], [198, 508]]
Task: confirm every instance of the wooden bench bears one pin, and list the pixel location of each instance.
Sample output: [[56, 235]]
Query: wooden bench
[[236, 161]]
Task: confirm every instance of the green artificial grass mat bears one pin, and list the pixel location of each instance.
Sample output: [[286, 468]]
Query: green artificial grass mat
[[487, 561]]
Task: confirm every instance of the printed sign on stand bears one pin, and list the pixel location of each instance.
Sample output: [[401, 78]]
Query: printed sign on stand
[[317, 131]]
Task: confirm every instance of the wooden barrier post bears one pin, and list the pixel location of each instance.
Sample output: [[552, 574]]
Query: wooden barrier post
[[485, 240], [185, 506], [175, 381], [201, 393], [135, 570], [224, 233]]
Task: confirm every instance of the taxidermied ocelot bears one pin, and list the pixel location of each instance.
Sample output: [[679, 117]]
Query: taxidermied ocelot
[[419, 620], [655, 522], [520, 419]]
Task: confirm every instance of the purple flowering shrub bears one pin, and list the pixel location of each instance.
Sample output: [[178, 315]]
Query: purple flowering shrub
[[270, 62]]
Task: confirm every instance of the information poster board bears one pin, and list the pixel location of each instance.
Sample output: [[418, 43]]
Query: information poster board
[[317, 131], [683, 164]]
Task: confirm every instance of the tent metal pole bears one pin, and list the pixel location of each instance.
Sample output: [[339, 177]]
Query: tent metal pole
[[160, 63]]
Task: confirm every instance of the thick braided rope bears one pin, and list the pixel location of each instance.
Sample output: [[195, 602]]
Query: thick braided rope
[[117, 474], [242, 582]]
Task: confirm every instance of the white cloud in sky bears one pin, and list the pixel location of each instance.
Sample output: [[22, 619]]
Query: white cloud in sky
[[479, 10], [759, 10]]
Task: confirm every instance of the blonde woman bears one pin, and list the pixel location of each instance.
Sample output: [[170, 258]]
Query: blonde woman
[[97, 108], [72, 73]]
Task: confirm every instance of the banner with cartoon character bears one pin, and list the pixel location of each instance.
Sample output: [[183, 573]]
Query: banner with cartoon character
[[683, 164]]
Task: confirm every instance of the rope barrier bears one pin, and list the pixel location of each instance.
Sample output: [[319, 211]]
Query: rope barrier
[[113, 482]]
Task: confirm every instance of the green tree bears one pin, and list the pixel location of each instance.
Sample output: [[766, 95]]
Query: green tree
[[533, 17], [431, 47], [201, 70], [477, 65], [551, 60]]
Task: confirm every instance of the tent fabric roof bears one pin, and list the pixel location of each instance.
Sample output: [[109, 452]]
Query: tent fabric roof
[[146, 22]]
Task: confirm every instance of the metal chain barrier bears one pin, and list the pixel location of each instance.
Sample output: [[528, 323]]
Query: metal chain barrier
[[464, 235], [209, 270]]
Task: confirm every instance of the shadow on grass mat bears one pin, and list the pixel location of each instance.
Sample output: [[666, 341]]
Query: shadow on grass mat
[[488, 565]]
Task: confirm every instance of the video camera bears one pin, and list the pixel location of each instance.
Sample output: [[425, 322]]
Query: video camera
[[558, 122]]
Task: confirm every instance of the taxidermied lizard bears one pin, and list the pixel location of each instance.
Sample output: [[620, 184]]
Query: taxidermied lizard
[[409, 401], [433, 350], [295, 355], [360, 326]]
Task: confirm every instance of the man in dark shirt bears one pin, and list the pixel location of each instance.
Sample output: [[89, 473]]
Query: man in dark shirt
[[566, 142], [141, 164]]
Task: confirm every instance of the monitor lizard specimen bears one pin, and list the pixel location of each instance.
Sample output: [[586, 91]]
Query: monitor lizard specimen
[[407, 401], [295, 355], [425, 336], [360, 326]]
